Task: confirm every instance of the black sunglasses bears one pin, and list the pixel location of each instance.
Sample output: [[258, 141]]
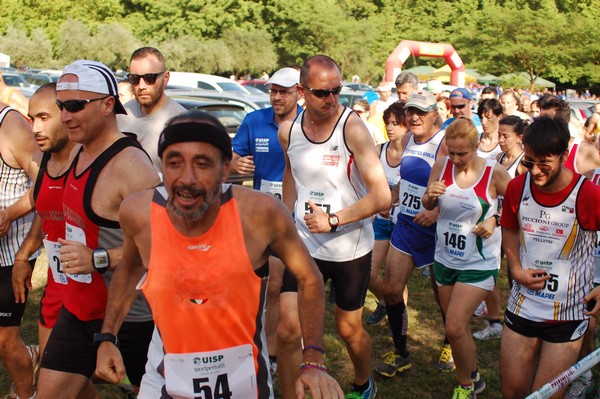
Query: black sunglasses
[[149, 78], [459, 106], [73, 106], [323, 93]]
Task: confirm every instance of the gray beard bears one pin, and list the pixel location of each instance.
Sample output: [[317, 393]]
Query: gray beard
[[189, 215]]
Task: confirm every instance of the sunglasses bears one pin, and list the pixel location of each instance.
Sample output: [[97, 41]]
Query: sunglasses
[[459, 106], [543, 166], [73, 106], [149, 78], [323, 93], [282, 93]]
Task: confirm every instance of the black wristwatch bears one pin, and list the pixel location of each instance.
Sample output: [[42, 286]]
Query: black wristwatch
[[334, 222], [497, 217], [100, 260], [105, 337]]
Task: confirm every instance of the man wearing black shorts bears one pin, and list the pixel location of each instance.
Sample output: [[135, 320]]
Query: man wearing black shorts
[[108, 167], [333, 182]]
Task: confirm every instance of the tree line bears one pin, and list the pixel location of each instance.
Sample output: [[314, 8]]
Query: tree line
[[555, 39]]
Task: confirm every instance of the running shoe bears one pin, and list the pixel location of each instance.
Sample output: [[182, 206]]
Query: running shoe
[[426, 272], [392, 364], [446, 362], [369, 393], [479, 384], [272, 365], [581, 387], [490, 332], [464, 393], [481, 310], [378, 315]]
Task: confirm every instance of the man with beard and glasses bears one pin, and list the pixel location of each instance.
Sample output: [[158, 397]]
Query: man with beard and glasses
[[205, 247], [256, 149], [549, 221], [152, 108], [108, 167]]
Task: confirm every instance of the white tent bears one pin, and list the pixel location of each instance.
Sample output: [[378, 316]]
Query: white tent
[[4, 60]]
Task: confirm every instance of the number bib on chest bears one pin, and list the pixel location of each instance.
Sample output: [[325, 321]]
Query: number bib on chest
[[410, 198], [53, 253], [328, 199], [457, 239], [74, 233], [555, 289], [223, 374], [271, 187]]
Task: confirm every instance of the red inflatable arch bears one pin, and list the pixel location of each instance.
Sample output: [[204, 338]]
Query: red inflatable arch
[[394, 63]]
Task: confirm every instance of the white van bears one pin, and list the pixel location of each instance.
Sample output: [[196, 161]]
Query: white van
[[206, 82]]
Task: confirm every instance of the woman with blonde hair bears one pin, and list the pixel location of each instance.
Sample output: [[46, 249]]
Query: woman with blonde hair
[[467, 255]]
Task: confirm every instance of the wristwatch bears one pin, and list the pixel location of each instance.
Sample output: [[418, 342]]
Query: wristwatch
[[100, 260], [105, 337], [497, 217], [334, 222]]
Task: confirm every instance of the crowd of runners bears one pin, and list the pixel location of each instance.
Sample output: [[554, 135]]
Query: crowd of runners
[[171, 283]]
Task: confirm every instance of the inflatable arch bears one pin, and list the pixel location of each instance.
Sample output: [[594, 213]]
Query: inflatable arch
[[394, 63]]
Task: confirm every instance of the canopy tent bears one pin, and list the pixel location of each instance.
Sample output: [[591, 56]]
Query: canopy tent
[[421, 71], [521, 80], [443, 75]]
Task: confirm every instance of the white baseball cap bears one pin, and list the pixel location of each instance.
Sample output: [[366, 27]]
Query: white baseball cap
[[92, 76], [285, 77]]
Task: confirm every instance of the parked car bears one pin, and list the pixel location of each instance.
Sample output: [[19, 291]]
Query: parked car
[[358, 86], [230, 115], [349, 96], [250, 102], [206, 82], [257, 83], [16, 80], [40, 78]]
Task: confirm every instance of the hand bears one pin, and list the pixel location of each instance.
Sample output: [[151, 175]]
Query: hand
[[109, 364], [486, 228], [594, 298], [75, 257], [436, 189], [386, 214], [534, 279], [5, 222], [245, 165], [318, 220], [320, 384], [427, 218], [21, 280]]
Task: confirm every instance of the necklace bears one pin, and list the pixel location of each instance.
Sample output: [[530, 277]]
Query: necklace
[[61, 168]]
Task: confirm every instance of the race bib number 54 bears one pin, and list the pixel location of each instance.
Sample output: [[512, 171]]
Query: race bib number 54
[[223, 374]]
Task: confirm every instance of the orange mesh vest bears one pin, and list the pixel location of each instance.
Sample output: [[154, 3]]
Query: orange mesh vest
[[203, 291]]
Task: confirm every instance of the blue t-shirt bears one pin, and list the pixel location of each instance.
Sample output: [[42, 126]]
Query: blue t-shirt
[[257, 136], [475, 119]]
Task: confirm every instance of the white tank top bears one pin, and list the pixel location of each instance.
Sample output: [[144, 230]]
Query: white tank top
[[551, 239], [489, 154], [460, 210], [15, 184], [325, 172], [392, 174], [512, 168]]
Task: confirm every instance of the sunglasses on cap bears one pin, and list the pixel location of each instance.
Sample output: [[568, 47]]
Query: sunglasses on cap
[[73, 106], [459, 106], [324, 93], [543, 166], [149, 78]]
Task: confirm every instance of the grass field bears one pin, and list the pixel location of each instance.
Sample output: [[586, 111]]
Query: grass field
[[425, 339]]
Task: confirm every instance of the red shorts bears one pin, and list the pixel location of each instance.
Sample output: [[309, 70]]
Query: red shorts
[[52, 301]]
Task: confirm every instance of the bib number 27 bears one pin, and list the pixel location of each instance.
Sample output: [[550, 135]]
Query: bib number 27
[[203, 389]]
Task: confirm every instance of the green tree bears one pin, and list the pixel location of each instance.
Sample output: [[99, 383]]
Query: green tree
[[251, 51], [189, 54], [113, 44], [33, 50], [74, 42]]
